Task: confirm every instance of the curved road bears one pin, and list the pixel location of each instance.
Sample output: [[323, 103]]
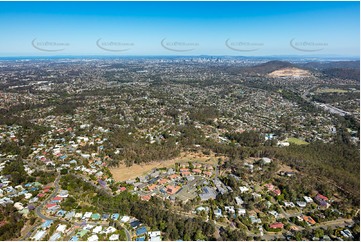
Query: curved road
[[45, 217], [38, 208]]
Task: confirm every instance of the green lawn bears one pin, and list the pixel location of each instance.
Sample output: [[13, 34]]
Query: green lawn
[[297, 141], [328, 90]]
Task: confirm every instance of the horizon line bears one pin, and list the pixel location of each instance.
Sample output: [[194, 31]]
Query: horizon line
[[199, 55]]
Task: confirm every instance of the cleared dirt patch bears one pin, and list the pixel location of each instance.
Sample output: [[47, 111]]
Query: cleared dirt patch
[[290, 72], [123, 173]]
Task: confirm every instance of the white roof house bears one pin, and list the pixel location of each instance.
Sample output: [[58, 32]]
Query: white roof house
[[19, 187], [110, 230], [241, 211], [87, 215], [63, 193], [266, 160], [28, 195], [308, 199], [114, 237], [301, 204], [97, 229], [154, 236], [283, 143], [201, 208], [18, 206], [78, 215], [274, 213], [94, 237], [61, 228], [55, 237], [125, 219], [86, 156], [243, 189], [218, 212], [229, 209], [239, 201], [39, 235], [289, 204], [347, 233], [88, 226]]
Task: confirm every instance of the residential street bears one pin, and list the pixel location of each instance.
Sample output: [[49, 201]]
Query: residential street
[[38, 211]]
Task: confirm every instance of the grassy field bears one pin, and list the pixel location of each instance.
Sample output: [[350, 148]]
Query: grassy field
[[123, 173], [329, 90], [297, 141]]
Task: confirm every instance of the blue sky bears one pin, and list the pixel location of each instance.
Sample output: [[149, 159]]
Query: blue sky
[[186, 28]]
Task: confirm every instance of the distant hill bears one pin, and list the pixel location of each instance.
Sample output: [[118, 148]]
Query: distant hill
[[268, 67], [344, 73], [338, 69], [332, 65]]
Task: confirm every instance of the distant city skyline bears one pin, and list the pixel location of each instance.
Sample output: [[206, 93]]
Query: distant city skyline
[[180, 28]]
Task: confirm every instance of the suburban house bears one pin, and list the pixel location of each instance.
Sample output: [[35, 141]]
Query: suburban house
[[243, 189], [185, 173], [154, 236], [276, 225], [301, 204], [172, 189], [218, 212], [141, 231], [308, 199], [241, 211], [229, 209], [266, 161], [152, 187], [289, 204], [239, 201], [309, 220], [322, 200], [197, 171]]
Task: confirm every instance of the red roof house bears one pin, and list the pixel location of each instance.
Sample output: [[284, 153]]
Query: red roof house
[[269, 186], [207, 173], [276, 225], [174, 176], [57, 198], [145, 197], [309, 219], [277, 192], [198, 171], [186, 173], [122, 189], [163, 181], [172, 189], [50, 205], [152, 187], [324, 198]]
